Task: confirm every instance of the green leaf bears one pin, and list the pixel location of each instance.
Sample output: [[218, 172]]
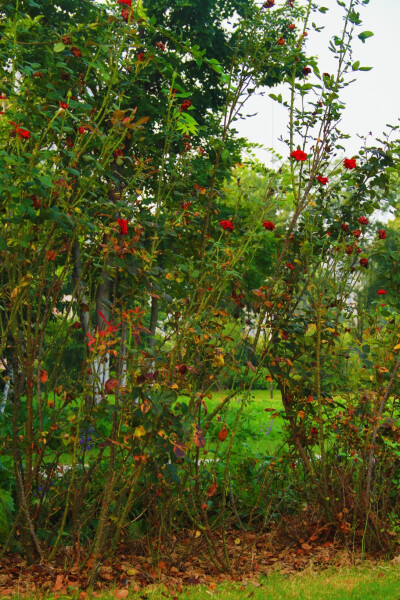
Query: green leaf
[[356, 65], [365, 68], [364, 35], [59, 47]]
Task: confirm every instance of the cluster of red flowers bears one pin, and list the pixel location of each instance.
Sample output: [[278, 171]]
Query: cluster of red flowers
[[350, 163], [185, 105], [269, 225], [123, 226], [23, 134], [299, 155], [228, 225]]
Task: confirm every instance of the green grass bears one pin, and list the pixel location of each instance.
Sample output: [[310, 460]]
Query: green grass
[[259, 434], [365, 582]]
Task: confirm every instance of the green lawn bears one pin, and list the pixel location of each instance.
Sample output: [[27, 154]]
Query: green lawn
[[260, 433], [365, 582]]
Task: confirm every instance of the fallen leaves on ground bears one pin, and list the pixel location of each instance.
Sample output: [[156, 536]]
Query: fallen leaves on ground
[[188, 564]]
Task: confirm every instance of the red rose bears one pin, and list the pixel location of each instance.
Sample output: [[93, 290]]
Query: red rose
[[75, 51], [306, 71], [269, 4], [126, 2], [289, 266], [269, 225], [228, 225], [344, 227], [82, 129], [118, 152], [382, 234], [299, 155], [24, 134], [364, 262], [349, 250], [363, 220], [381, 292], [292, 26], [281, 42], [141, 56], [64, 105], [185, 105], [322, 180], [357, 233], [123, 226], [125, 14], [350, 163]]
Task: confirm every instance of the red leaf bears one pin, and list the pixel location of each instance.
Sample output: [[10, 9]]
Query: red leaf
[[223, 434], [212, 489], [110, 385], [43, 376], [179, 450]]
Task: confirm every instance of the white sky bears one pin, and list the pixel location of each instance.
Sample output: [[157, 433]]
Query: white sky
[[372, 100]]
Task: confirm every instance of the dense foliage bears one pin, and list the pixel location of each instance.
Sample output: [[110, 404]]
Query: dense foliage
[[144, 267]]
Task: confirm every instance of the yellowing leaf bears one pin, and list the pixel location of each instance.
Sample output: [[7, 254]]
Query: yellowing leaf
[[397, 347], [140, 431]]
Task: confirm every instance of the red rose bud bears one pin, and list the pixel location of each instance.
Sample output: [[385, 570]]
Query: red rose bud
[[382, 234], [292, 26], [299, 155], [363, 220], [118, 152], [364, 262], [82, 129], [306, 71], [123, 226], [228, 225], [281, 42], [350, 163], [349, 250], [381, 292], [344, 227], [64, 105], [289, 266], [322, 180], [269, 225]]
